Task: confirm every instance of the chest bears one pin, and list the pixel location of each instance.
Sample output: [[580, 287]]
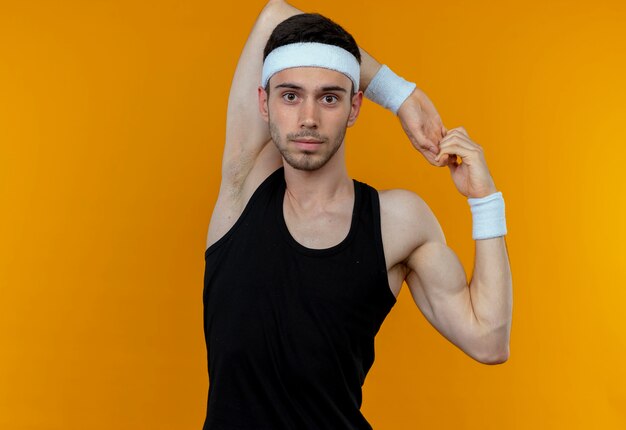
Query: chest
[[327, 229], [318, 230], [262, 274]]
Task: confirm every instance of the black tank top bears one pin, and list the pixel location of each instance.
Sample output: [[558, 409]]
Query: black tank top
[[290, 330]]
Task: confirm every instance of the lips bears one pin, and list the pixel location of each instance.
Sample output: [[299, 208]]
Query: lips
[[308, 144]]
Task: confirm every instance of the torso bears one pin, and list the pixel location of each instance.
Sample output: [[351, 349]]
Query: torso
[[324, 230], [328, 228]]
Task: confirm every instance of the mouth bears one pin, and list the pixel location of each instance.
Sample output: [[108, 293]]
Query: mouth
[[307, 141], [308, 144]]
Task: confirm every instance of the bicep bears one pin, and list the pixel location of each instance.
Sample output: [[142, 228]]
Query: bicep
[[438, 285]]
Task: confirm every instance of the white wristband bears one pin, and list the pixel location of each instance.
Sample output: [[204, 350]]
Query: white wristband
[[488, 218], [388, 89]]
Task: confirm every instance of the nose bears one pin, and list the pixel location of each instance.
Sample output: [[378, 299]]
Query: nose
[[309, 113]]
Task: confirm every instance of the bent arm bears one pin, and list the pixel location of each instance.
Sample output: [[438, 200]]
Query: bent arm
[[247, 133], [247, 158], [475, 317]]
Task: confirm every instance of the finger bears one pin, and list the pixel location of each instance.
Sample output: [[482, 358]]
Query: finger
[[431, 144], [455, 141], [443, 156], [457, 132], [458, 146], [456, 149], [460, 131], [434, 128], [447, 160], [463, 131], [455, 136], [426, 143], [437, 159], [441, 161], [436, 163], [462, 140], [434, 137]]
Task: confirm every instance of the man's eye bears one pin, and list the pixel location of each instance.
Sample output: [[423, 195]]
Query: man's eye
[[330, 99], [289, 97]]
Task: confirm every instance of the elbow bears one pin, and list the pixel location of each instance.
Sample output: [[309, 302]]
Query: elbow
[[492, 347], [497, 359], [494, 356], [272, 8]]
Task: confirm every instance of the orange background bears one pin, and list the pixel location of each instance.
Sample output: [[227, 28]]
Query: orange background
[[112, 117]]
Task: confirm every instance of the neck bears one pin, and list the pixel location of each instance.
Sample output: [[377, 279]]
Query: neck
[[311, 190]]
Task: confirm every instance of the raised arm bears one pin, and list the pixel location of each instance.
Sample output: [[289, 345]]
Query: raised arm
[[417, 114], [475, 317], [247, 158], [246, 132]]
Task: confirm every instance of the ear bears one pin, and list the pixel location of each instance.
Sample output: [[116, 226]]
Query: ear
[[263, 103], [357, 100]]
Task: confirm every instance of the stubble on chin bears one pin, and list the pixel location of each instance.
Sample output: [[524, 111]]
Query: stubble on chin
[[304, 161]]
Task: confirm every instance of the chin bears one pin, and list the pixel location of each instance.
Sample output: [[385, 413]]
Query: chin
[[307, 165]]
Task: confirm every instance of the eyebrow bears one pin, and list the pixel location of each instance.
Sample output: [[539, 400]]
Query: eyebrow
[[298, 87]]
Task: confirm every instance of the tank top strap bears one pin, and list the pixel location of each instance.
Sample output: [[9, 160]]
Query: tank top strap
[[374, 201]]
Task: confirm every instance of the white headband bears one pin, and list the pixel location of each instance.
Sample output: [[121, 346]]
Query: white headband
[[311, 54]]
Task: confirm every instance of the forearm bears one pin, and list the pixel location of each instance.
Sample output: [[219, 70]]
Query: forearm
[[369, 67], [491, 294]]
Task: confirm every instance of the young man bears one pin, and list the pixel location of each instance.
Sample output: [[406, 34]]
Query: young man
[[303, 263]]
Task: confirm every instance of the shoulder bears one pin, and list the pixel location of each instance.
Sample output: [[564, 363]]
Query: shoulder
[[398, 200], [407, 221], [404, 206]]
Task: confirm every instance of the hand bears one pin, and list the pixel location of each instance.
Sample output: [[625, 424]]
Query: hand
[[422, 124], [471, 176]]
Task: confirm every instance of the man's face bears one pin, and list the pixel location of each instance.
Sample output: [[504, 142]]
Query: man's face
[[308, 111]]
